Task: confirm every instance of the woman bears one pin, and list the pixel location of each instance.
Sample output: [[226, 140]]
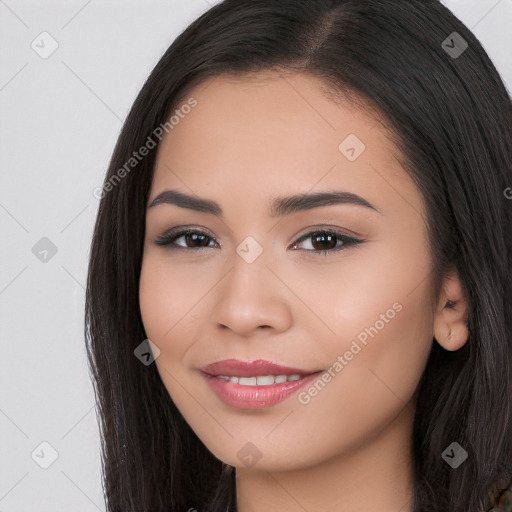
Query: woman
[[340, 336]]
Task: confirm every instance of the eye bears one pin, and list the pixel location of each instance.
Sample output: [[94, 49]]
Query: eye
[[324, 241], [198, 239]]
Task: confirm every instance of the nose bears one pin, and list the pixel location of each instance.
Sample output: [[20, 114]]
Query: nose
[[251, 298]]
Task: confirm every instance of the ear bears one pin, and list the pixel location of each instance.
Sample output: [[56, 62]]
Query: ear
[[450, 317]]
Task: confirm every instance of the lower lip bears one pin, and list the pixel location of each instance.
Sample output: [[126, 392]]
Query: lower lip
[[255, 397]]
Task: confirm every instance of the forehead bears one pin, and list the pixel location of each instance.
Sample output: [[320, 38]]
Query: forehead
[[269, 131]]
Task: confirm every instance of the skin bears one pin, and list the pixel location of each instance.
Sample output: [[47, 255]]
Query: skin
[[250, 139]]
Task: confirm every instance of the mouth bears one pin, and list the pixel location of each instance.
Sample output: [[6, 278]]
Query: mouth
[[258, 369], [255, 384]]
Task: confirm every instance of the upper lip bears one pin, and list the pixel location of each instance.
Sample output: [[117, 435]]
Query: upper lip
[[259, 367]]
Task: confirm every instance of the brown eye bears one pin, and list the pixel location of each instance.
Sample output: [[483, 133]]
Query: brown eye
[[193, 239], [323, 242]]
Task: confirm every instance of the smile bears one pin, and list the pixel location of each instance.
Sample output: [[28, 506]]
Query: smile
[[256, 392], [264, 380]]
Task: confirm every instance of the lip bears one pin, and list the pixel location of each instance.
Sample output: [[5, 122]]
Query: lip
[[254, 397], [236, 367]]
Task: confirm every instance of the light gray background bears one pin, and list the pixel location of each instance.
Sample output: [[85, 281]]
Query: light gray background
[[59, 120]]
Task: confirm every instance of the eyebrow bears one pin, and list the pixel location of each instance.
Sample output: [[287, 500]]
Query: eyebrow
[[279, 206]]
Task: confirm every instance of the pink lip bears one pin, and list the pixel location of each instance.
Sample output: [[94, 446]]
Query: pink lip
[[251, 368], [253, 397]]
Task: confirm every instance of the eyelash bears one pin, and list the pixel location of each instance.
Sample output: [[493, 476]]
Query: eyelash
[[169, 237]]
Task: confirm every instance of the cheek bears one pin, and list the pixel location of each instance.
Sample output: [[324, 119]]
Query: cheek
[[393, 328], [170, 303], [344, 296], [156, 305], [375, 362], [164, 292]]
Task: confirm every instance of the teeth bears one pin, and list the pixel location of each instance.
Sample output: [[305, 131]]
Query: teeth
[[247, 381], [264, 380]]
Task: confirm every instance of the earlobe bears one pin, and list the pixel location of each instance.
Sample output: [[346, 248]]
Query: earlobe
[[450, 317]]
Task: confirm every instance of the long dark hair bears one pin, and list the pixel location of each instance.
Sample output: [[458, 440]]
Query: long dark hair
[[449, 114]]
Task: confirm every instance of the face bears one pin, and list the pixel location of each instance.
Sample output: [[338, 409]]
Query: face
[[336, 287]]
